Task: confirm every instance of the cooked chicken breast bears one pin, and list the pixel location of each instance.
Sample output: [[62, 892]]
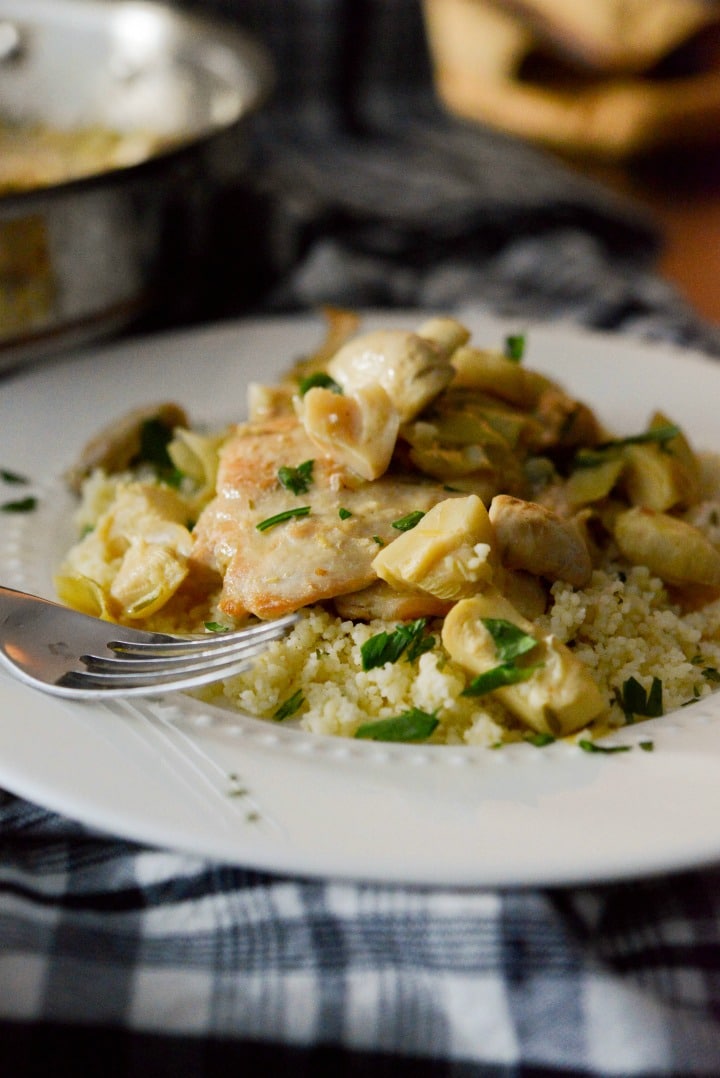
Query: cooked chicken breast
[[305, 559]]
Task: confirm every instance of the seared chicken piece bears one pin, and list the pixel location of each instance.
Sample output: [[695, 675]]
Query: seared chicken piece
[[533, 538], [527, 593], [324, 552], [565, 422], [382, 601], [677, 551]]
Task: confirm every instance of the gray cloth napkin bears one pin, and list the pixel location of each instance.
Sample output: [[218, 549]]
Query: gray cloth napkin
[[366, 193]]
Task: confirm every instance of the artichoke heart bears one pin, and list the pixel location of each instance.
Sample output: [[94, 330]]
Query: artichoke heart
[[448, 554], [559, 695]]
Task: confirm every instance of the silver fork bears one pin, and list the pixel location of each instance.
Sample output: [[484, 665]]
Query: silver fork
[[63, 652]]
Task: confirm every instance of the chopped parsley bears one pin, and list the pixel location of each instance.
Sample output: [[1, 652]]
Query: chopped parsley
[[539, 740], [663, 433], [591, 458], [592, 746], [280, 518], [636, 701], [22, 505], [12, 477], [711, 674], [216, 627], [296, 480], [155, 436], [510, 643], [412, 725], [387, 647], [515, 347], [319, 380], [378, 540], [407, 523], [419, 644], [344, 513], [497, 677], [237, 789], [290, 706]]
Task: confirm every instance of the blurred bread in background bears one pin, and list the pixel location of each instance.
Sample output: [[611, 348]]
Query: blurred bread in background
[[607, 79]]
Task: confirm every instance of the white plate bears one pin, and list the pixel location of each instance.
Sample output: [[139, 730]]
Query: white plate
[[179, 774]]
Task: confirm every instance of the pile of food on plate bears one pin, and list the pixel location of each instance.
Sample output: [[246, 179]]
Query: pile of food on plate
[[37, 155], [476, 559]]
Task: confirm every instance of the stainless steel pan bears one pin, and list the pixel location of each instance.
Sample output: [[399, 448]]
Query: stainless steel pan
[[96, 256]]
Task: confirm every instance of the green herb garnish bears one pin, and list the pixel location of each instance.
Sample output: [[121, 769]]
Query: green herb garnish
[[155, 436], [344, 513], [662, 434], [711, 674], [12, 477], [23, 505], [647, 746], [319, 380], [280, 518], [216, 627], [591, 458], [635, 701], [592, 746], [515, 347], [407, 523], [539, 740], [497, 677], [387, 647], [412, 725], [510, 641], [296, 480], [237, 789], [419, 644], [290, 706]]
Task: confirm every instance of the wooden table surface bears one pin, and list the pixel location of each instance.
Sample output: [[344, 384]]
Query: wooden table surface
[[682, 192]]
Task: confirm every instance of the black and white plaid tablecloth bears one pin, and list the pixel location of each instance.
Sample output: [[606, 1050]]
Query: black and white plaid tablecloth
[[117, 959]]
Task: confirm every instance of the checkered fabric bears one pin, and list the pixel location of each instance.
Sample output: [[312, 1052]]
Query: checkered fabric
[[120, 959]]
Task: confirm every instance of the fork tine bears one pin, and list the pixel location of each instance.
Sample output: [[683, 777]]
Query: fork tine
[[171, 664], [161, 644], [147, 667], [45, 645], [87, 684]]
